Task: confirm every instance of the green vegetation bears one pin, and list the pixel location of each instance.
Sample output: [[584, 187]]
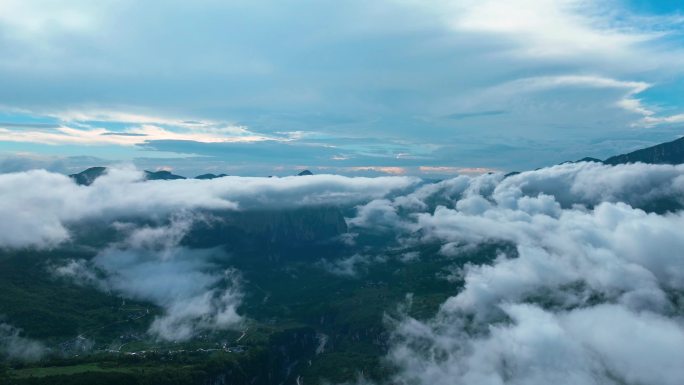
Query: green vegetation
[[303, 321]]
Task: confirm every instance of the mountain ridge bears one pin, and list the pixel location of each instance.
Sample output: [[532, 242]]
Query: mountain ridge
[[671, 152], [664, 153]]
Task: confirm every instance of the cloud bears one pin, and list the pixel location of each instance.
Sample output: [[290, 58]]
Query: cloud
[[15, 347], [545, 28], [38, 206], [350, 266], [379, 214], [195, 294], [589, 270], [604, 344], [131, 136], [385, 74]]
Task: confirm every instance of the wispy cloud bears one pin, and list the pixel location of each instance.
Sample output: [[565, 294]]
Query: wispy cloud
[[131, 136]]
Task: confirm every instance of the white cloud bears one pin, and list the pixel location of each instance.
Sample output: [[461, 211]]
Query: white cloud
[[560, 28], [605, 344], [591, 295], [38, 206], [133, 136], [37, 18], [149, 265]]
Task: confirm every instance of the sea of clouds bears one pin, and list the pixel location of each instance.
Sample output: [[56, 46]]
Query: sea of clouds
[[38, 206], [593, 293], [147, 261]]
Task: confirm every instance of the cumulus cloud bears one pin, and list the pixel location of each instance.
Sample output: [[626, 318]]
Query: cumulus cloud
[[38, 206], [592, 293], [16, 347]]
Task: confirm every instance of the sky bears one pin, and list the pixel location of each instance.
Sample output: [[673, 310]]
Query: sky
[[389, 87]]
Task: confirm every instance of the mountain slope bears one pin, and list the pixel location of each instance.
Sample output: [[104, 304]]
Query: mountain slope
[[161, 175], [664, 153], [210, 176]]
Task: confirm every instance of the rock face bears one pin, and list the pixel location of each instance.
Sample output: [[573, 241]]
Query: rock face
[[88, 176], [664, 153], [161, 175]]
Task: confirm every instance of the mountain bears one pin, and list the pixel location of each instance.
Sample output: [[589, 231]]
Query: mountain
[[161, 175], [664, 153], [210, 176], [283, 228], [88, 176], [589, 159]]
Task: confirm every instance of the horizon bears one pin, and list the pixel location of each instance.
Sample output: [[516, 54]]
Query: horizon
[[426, 173]]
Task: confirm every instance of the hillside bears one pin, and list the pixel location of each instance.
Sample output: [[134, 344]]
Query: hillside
[[664, 153]]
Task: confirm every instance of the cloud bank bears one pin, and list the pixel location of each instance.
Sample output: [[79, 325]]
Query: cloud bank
[[592, 294], [38, 206]]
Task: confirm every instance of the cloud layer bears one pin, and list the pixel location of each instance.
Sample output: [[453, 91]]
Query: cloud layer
[[38, 206], [592, 295]]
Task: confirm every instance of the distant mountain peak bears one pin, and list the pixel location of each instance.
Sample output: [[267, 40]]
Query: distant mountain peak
[[161, 175], [585, 159], [210, 176], [305, 173], [88, 176]]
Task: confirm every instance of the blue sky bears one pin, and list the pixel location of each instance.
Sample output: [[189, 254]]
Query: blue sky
[[355, 87]]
